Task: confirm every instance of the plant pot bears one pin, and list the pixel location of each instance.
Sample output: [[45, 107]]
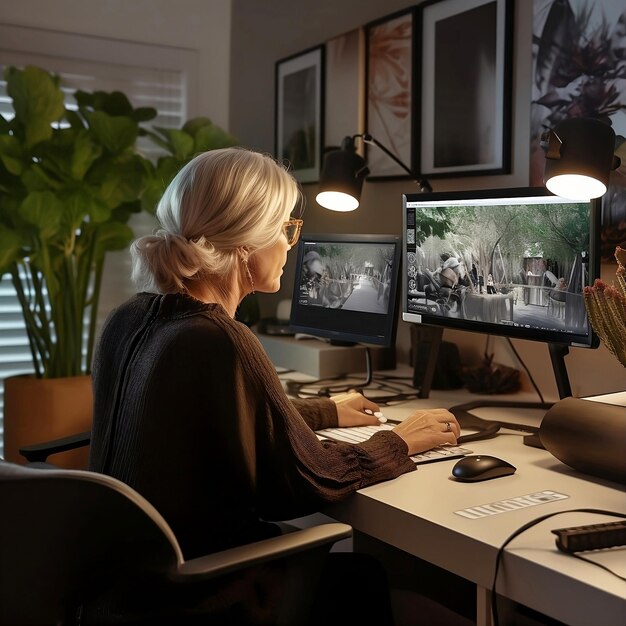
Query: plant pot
[[40, 409]]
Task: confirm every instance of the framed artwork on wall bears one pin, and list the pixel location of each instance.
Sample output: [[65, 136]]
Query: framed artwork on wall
[[465, 81], [577, 45], [344, 84], [299, 124], [389, 93]]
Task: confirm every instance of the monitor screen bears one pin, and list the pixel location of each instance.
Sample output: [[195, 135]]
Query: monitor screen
[[345, 288], [509, 262]]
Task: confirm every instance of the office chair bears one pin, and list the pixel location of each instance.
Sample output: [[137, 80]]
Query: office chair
[[80, 547], [37, 454]]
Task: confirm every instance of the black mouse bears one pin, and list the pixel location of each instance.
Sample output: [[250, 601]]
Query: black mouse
[[481, 467]]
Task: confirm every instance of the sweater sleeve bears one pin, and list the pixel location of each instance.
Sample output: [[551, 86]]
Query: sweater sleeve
[[318, 413], [298, 474]]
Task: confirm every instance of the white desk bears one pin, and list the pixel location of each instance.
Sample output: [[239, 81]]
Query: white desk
[[416, 513]]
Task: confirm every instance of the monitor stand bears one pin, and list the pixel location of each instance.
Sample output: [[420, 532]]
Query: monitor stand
[[329, 390], [489, 428]]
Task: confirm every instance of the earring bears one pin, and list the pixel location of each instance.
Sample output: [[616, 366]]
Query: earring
[[244, 260]]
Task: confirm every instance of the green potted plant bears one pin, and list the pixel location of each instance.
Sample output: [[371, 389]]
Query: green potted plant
[[69, 182]]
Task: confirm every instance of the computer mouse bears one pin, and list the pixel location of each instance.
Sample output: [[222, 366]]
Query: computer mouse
[[481, 467]]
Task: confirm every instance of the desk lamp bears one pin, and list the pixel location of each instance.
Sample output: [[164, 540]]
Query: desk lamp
[[344, 171], [579, 158]]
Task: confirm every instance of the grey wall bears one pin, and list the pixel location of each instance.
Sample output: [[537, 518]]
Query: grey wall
[[264, 32]]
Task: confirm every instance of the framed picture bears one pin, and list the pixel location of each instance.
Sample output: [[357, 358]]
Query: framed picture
[[344, 84], [389, 92], [299, 115], [465, 80], [569, 82]]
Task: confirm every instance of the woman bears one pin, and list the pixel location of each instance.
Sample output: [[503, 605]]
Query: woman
[[188, 408]]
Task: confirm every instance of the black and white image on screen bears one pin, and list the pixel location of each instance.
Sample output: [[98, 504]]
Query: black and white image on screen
[[348, 276], [520, 263]]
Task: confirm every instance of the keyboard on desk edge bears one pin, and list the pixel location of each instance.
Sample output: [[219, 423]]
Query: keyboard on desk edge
[[359, 434]]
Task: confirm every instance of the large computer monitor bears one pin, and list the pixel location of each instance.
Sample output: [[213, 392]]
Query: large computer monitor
[[345, 288], [509, 262]]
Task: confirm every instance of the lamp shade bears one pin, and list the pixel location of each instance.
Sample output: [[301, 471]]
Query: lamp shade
[[579, 158], [341, 179]]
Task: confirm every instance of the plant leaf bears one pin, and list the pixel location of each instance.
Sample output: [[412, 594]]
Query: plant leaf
[[37, 99], [99, 211], [113, 236], [115, 103], [159, 141], [180, 143], [85, 153], [11, 154], [212, 137], [143, 114], [115, 133], [44, 210], [35, 178], [123, 181], [193, 125], [167, 167], [5, 125], [10, 246], [75, 120], [76, 206]]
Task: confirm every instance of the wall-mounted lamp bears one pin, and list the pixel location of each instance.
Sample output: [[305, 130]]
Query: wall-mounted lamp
[[580, 154], [344, 171]]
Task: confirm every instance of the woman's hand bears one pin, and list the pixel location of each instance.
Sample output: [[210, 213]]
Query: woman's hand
[[351, 410], [427, 428]]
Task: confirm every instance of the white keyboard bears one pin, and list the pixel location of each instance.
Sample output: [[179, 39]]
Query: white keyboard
[[358, 434]]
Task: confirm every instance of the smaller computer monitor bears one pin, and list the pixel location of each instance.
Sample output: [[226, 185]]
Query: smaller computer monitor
[[345, 288]]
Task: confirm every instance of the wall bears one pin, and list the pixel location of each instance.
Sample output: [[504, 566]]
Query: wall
[[193, 24], [288, 28]]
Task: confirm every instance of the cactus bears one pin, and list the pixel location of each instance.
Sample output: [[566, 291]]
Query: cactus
[[606, 307]]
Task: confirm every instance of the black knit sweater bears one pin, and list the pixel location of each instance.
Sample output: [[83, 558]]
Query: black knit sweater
[[189, 411]]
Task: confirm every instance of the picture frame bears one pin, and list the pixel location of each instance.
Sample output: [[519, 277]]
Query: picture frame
[[299, 123], [390, 92], [591, 88], [464, 75], [344, 70]]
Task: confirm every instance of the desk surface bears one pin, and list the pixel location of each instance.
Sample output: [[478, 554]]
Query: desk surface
[[416, 513]]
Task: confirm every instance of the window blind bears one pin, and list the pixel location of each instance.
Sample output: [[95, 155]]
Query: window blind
[[148, 75]]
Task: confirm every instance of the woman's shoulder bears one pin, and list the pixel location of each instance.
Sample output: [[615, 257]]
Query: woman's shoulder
[[180, 318]]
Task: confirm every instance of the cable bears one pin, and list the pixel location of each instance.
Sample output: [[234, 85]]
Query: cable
[[608, 569], [525, 527], [390, 393], [521, 362]]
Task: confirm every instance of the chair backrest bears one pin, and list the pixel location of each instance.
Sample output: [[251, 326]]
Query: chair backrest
[[67, 535]]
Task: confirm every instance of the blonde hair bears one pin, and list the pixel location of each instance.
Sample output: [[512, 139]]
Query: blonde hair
[[220, 202]]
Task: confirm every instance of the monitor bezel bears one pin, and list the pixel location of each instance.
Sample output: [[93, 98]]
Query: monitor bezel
[[589, 340], [344, 336]]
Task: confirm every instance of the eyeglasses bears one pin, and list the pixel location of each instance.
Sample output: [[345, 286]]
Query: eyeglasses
[[292, 229]]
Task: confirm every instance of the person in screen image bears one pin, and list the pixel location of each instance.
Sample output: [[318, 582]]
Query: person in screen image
[[320, 288], [474, 275], [189, 410], [491, 288], [449, 273], [312, 272]]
